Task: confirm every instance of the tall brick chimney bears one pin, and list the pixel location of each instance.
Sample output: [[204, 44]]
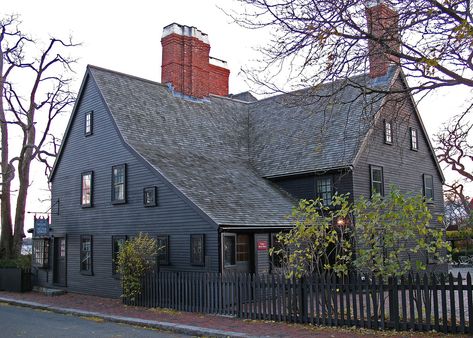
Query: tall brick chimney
[[382, 24], [186, 63]]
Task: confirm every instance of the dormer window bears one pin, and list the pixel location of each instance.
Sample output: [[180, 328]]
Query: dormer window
[[388, 132], [88, 123], [414, 139]]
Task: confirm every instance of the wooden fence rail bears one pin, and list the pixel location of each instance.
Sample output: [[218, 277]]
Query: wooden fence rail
[[416, 302]]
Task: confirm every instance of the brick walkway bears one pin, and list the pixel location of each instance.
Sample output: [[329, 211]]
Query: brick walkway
[[114, 307]]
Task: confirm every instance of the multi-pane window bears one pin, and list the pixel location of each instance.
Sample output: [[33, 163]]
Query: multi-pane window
[[86, 189], [414, 139], [324, 189], [428, 187], [150, 197], [86, 254], [388, 132], [88, 123], [197, 249], [229, 252], [243, 248], [118, 183], [117, 243], [377, 180], [163, 250], [40, 252]]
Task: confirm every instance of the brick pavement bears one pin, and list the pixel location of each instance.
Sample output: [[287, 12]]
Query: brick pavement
[[114, 307]]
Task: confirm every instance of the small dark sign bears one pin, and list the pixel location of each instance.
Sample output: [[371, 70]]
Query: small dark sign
[[41, 226], [262, 245]]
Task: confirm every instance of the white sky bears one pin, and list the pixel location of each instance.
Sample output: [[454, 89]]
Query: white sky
[[125, 36]]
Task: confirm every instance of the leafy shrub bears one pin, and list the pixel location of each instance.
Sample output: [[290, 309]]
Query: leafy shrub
[[135, 258], [23, 262]]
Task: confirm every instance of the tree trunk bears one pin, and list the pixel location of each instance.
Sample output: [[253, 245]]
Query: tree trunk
[[6, 236]]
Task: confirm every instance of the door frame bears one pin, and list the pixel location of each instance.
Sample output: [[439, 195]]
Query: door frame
[[55, 257]]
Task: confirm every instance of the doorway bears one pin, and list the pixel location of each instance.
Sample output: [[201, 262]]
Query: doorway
[[59, 268]]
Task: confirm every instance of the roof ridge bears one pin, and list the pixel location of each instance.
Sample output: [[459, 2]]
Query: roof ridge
[[89, 66]]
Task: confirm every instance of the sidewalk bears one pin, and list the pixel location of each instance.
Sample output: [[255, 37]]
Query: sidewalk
[[184, 322]]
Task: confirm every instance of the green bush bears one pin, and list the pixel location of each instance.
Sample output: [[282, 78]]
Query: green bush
[[23, 262], [135, 258]]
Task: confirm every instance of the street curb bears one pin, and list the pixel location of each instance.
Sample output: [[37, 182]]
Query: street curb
[[177, 328]]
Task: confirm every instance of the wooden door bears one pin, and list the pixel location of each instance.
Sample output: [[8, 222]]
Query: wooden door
[[60, 261]]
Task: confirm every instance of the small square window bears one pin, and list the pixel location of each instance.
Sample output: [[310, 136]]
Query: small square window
[[163, 252], [414, 139], [377, 180], [388, 132], [150, 196], [119, 184], [197, 250], [428, 189], [88, 123], [86, 189], [86, 254]]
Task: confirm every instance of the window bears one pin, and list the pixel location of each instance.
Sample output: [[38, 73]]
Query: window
[[377, 180], [243, 248], [86, 189], [86, 255], [229, 252], [388, 132], [117, 243], [40, 252], [197, 249], [119, 184], [428, 187], [88, 123], [150, 197], [324, 189], [163, 252], [414, 139]]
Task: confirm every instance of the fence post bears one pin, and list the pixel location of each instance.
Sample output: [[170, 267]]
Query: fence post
[[303, 301]]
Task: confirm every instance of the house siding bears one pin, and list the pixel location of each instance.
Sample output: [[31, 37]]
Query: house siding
[[174, 215], [303, 186]]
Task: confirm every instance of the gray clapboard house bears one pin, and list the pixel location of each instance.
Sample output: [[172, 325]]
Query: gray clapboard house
[[211, 175]]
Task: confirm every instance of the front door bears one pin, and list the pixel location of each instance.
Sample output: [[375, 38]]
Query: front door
[[59, 275]]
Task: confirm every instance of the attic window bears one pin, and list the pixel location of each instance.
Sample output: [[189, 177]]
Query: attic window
[[388, 132], [88, 123], [414, 139]]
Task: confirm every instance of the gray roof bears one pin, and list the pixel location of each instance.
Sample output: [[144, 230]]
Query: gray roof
[[217, 151]]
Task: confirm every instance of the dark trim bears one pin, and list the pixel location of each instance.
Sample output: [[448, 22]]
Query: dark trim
[[390, 130], [91, 173], [91, 114], [112, 196], [154, 191], [201, 259], [428, 199], [91, 271], [411, 130], [371, 179], [165, 261]]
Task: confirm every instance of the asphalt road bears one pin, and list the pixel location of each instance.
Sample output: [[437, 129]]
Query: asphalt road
[[25, 322]]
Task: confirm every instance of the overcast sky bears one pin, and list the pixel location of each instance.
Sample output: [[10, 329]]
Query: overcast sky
[[125, 36]]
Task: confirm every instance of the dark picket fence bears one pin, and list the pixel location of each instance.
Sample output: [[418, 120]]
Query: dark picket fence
[[417, 302]]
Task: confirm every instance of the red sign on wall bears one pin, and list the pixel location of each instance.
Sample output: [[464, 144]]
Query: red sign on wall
[[262, 245]]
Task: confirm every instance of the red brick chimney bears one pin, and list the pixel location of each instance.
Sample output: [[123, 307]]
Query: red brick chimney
[[186, 63], [382, 24]]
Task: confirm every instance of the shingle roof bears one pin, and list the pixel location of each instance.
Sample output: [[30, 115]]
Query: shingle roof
[[314, 129], [200, 147], [217, 151]]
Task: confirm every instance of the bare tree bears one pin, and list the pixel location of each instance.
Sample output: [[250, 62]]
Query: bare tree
[[315, 41], [455, 151], [34, 91]]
